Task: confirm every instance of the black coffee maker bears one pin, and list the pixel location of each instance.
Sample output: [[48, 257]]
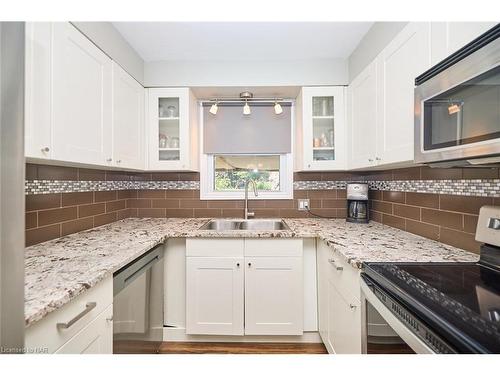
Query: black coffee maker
[[357, 202]]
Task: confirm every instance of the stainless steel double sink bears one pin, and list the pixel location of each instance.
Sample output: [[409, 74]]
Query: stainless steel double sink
[[222, 225]]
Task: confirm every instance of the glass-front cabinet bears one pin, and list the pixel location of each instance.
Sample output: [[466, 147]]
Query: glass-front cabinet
[[321, 137], [172, 129]]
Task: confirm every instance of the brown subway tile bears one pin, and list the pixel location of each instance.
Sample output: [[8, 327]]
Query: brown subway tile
[[179, 212], [56, 215], [132, 193], [91, 175], [376, 216], [393, 221], [423, 200], [74, 226], [91, 209], [333, 203], [34, 236], [327, 212], [165, 176], [104, 196], [73, 199], [189, 176], [42, 201], [182, 193], [300, 194], [232, 212], [377, 175], [412, 173], [470, 223], [123, 214], [207, 212], [51, 172], [409, 212], [460, 203], [423, 229], [380, 206], [104, 219], [133, 212], [139, 176], [165, 203], [341, 193], [223, 204], [288, 212], [192, 203], [115, 205], [342, 212], [322, 194], [496, 201], [480, 173], [124, 194], [31, 220], [266, 213], [151, 212], [393, 196], [313, 203], [307, 176], [117, 176], [139, 203], [336, 176], [157, 194], [253, 204], [442, 218], [428, 173], [375, 194], [459, 239], [280, 203], [31, 172]]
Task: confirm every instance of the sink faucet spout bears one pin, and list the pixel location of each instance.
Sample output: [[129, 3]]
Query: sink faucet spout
[[254, 185]]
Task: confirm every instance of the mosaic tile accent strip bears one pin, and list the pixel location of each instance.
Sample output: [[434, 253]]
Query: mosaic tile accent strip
[[55, 186], [477, 188]]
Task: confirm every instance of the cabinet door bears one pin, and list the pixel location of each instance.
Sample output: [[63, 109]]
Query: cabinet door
[[169, 129], [214, 296], [323, 126], [128, 120], [38, 132], [363, 118], [344, 322], [274, 295], [95, 338], [322, 260], [81, 101], [400, 62]]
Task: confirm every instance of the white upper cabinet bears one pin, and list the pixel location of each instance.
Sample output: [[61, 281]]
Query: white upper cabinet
[[448, 37], [81, 98], [362, 115], [172, 129], [320, 129], [128, 121], [406, 56]]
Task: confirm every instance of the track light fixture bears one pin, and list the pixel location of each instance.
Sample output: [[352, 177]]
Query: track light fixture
[[277, 108], [214, 107]]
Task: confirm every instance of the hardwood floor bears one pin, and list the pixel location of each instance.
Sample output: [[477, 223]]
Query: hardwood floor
[[131, 347]]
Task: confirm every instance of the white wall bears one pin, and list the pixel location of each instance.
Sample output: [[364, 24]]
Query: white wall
[[245, 73], [107, 38], [379, 35]]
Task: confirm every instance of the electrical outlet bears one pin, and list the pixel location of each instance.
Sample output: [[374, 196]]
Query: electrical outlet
[[303, 204]]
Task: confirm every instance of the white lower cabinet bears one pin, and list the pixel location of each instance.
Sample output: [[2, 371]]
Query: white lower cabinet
[[339, 309], [214, 296], [96, 338], [244, 287], [273, 296]]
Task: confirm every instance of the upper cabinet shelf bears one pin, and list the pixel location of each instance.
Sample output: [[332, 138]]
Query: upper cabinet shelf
[[320, 129]]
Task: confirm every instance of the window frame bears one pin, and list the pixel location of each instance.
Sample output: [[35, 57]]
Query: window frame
[[207, 171]]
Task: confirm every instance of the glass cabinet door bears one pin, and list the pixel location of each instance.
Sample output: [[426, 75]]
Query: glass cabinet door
[[323, 128], [168, 129]]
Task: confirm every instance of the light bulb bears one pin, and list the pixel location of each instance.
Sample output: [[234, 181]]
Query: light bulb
[[277, 108], [214, 108], [246, 109]]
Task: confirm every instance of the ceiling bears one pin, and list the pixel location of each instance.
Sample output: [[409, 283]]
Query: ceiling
[[237, 41]]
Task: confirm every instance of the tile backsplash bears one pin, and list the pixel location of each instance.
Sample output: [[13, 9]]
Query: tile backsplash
[[63, 200]]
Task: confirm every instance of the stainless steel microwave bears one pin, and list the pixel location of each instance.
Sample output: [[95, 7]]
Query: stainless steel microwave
[[457, 106]]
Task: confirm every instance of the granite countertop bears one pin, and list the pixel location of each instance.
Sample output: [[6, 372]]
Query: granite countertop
[[59, 270]]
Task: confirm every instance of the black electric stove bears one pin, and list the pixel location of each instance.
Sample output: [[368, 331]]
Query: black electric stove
[[457, 303]]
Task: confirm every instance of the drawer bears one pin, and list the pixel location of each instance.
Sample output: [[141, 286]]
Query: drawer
[[273, 247], [344, 276], [46, 334], [215, 247]]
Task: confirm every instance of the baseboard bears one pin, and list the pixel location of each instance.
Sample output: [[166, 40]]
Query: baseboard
[[179, 334]]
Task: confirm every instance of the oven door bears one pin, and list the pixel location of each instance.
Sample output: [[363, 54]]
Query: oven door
[[457, 112], [376, 316]]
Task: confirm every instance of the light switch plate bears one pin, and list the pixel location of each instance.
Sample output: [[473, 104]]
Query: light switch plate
[[303, 204]]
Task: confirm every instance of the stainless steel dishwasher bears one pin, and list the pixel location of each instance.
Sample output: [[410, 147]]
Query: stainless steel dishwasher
[[138, 304]]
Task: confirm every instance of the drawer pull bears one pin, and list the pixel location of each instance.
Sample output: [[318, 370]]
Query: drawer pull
[[88, 307], [351, 306], [332, 262]]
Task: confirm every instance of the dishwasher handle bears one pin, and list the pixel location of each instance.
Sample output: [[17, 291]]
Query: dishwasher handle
[[132, 271]]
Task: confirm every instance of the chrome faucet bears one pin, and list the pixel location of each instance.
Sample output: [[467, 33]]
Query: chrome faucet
[[247, 182]]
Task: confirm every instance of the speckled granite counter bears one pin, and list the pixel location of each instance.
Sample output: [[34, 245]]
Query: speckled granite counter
[[59, 270]]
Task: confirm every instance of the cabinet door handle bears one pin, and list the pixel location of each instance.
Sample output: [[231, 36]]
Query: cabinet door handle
[[370, 160], [118, 161], [332, 262], [237, 264], [109, 159], [45, 149], [249, 264], [88, 307], [377, 158], [109, 319], [351, 306]]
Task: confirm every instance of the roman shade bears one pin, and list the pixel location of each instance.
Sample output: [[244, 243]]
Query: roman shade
[[261, 132]]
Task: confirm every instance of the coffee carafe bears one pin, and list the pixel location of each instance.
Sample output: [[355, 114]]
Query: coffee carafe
[[357, 203]]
